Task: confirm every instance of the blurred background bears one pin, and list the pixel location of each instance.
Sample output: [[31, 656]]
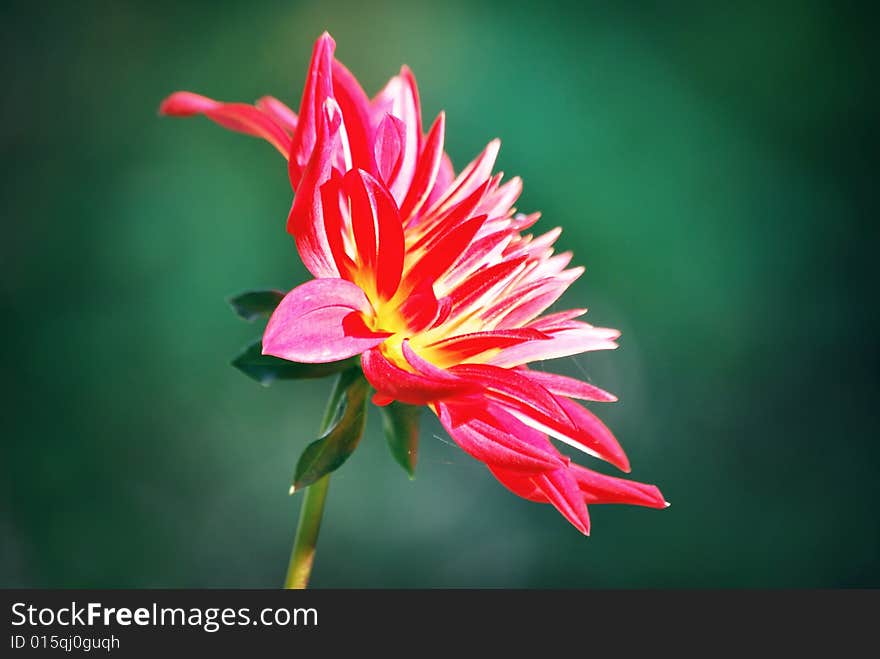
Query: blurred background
[[712, 167]]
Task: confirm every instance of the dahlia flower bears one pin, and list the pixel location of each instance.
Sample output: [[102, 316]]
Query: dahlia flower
[[428, 275]]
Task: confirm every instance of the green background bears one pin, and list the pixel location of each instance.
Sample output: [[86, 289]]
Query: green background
[[710, 166]]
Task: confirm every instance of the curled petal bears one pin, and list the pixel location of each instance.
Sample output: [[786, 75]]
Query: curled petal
[[400, 98], [320, 321], [306, 220], [318, 88], [388, 149], [396, 383]]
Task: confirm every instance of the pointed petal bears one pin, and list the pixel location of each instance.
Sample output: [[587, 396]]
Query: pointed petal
[[519, 483], [400, 98], [569, 387], [239, 117], [388, 149], [443, 255], [562, 491], [320, 321], [465, 346], [373, 210], [471, 177], [594, 435], [355, 108], [561, 344], [426, 171], [318, 88], [599, 488], [306, 220]]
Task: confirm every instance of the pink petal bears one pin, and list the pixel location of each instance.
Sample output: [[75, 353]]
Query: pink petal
[[388, 147], [400, 98], [315, 323], [471, 177], [569, 387], [445, 176], [561, 344]]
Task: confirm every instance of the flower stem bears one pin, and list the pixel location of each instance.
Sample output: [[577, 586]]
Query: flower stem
[[303, 554], [304, 545]]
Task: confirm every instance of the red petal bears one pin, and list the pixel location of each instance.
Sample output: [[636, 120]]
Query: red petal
[[493, 437], [520, 484], [413, 388], [239, 117], [306, 220], [465, 346], [427, 169], [372, 209], [355, 108], [562, 491], [442, 255], [314, 323], [599, 488], [282, 115], [481, 283], [335, 226], [318, 88], [518, 394], [594, 436]]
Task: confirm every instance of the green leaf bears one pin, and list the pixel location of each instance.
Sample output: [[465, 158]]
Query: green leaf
[[253, 304], [401, 424], [329, 452], [265, 369]]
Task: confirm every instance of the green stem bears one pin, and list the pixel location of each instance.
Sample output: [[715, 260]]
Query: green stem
[[303, 554], [304, 545]]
